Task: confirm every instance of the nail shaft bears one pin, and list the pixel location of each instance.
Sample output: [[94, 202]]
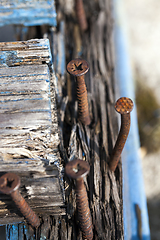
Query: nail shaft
[[78, 68], [84, 215], [81, 16], [123, 106]]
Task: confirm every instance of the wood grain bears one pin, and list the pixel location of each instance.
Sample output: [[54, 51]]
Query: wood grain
[[93, 143], [29, 135]]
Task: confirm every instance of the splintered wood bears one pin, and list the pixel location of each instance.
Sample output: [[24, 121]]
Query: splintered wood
[[93, 143], [29, 136]]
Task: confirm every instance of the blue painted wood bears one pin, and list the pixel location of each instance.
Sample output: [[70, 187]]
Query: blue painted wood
[[18, 232], [13, 232], [136, 225], [27, 12]]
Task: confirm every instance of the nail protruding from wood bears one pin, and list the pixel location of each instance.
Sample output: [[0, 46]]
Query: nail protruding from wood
[[9, 184], [123, 106], [81, 15], [78, 169], [78, 67]]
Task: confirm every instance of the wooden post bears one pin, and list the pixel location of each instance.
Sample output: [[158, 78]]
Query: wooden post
[[95, 143]]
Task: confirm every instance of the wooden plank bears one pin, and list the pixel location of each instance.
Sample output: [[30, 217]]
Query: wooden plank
[[29, 136], [27, 13], [24, 53]]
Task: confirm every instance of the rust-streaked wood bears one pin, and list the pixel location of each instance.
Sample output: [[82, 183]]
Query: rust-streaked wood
[[29, 135]]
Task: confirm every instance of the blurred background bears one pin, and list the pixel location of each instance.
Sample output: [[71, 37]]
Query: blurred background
[[142, 20]]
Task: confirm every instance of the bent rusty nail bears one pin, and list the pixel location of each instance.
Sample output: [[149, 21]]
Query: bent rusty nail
[[123, 106]]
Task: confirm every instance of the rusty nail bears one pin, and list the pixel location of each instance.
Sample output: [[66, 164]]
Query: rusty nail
[[81, 16], [78, 67], [9, 184], [77, 169], [123, 106]]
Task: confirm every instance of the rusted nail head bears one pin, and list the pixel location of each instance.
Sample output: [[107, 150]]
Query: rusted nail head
[[124, 105], [77, 67], [9, 183], [77, 169]]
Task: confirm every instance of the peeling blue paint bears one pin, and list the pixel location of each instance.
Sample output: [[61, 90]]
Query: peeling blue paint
[[12, 231], [36, 110], [7, 56], [17, 100], [19, 75], [18, 232], [28, 13], [36, 92], [11, 58]]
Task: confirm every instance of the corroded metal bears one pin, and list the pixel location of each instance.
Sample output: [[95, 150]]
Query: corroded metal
[[81, 16], [123, 106], [78, 68], [77, 169], [9, 184]]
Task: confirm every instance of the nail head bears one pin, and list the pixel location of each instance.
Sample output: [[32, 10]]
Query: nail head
[[77, 169], [77, 67], [124, 105], [9, 183]]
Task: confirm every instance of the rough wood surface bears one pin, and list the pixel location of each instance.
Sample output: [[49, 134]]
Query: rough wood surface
[[29, 135], [94, 143]]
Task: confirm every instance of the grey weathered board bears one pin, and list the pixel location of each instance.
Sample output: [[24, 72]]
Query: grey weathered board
[[29, 135]]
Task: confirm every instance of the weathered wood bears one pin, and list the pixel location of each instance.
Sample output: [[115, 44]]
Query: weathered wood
[[27, 13], [94, 143], [29, 135], [24, 53]]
